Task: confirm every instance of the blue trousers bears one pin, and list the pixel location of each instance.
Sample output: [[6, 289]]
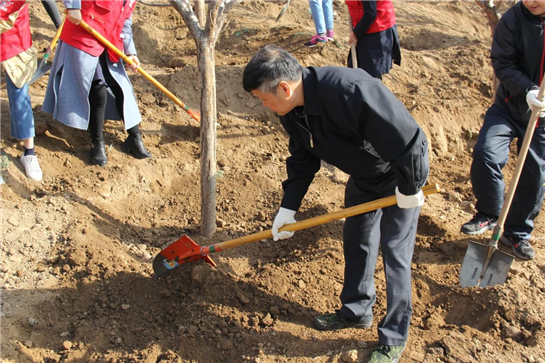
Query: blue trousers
[[394, 229], [20, 110], [322, 13], [491, 154]]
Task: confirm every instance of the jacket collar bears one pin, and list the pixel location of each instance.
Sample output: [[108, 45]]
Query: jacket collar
[[310, 92]]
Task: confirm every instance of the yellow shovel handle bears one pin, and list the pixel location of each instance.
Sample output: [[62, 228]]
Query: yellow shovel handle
[[113, 48]]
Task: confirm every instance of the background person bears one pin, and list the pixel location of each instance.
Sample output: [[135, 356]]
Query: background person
[[19, 60], [322, 14], [83, 71], [517, 58]]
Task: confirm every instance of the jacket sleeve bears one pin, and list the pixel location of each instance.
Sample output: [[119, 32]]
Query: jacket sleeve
[[72, 4], [368, 18], [128, 42], [506, 59], [377, 116], [301, 167]]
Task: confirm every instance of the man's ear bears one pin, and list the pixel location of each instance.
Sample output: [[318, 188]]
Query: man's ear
[[285, 89]]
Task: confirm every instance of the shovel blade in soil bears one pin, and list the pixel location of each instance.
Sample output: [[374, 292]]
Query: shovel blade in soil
[[42, 69], [472, 274], [181, 251]]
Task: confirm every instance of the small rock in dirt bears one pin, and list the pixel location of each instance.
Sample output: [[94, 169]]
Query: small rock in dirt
[[65, 334], [20, 273], [350, 357], [274, 310], [32, 321], [13, 220], [29, 344], [225, 345], [244, 300], [301, 284], [192, 330], [125, 306], [66, 268], [512, 332], [200, 273], [67, 344], [417, 356], [177, 62], [362, 344], [267, 320]]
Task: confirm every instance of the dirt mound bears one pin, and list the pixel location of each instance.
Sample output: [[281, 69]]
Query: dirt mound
[[77, 282]]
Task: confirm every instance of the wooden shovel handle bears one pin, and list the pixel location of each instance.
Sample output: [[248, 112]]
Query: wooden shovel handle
[[113, 48], [354, 56], [315, 221]]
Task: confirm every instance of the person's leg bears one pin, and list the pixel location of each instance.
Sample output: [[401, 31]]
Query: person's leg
[[528, 197], [53, 12], [398, 232], [319, 23], [327, 6], [490, 155], [361, 236], [133, 144], [97, 101], [22, 127]]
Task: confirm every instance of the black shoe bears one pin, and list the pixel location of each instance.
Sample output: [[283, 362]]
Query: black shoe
[[521, 247], [336, 320], [135, 146], [98, 154], [480, 223]]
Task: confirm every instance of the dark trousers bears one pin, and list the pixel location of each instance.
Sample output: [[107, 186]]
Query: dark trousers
[[394, 229], [491, 154]]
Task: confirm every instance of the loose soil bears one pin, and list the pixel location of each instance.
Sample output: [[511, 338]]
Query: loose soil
[[76, 276]]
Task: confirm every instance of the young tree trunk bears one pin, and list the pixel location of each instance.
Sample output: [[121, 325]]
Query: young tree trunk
[[207, 80]]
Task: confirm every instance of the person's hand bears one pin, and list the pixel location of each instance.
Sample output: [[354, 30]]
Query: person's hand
[[533, 101], [133, 67], [353, 39], [409, 201], [74, 15], [284, 216]]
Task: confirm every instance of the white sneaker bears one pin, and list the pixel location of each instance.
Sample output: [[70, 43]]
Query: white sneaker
[[32, 168]]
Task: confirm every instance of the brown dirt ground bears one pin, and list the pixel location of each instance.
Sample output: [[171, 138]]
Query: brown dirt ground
[[76, 276]]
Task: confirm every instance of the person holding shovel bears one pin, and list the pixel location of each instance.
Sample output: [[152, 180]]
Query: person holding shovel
[[352, 121], [18, 58], [517, 58], [88, 83]]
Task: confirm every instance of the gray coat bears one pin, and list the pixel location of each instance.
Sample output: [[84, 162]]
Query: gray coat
[[72, 71]]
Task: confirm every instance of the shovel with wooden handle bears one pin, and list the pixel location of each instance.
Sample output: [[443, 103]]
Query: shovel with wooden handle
[[185, 249], [354, 56], [44, 66], [486, 265], [122, 55]]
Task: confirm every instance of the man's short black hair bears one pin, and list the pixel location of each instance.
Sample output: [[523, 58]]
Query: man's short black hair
[[268, 68]]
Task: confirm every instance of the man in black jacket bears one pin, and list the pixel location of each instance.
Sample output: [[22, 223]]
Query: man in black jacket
[[518, 60], [352, 121]]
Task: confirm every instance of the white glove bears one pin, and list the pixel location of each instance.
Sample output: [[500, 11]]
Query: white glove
[[284, 216], [533, 102], [409, 201]]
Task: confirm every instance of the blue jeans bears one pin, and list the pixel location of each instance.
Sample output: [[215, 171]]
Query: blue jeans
[[20, 110], [322, 13], [490, 155]]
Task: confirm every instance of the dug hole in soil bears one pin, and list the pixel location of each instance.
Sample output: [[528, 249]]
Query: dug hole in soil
[[77, 282]]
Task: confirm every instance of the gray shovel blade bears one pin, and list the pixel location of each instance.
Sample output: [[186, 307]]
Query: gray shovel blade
[[42, 69], [473, 264], [497, 270]]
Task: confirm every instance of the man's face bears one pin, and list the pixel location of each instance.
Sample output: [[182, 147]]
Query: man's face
[[278, 103], [536, 7]]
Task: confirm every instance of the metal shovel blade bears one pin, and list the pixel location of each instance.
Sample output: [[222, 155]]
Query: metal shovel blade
[[181, 251], [43, 68], [472, 274]]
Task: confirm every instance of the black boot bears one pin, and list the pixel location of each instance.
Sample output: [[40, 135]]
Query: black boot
[[98, 154], [135, 146]]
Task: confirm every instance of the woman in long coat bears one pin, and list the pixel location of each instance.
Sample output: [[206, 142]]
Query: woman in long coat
[[88, 82]]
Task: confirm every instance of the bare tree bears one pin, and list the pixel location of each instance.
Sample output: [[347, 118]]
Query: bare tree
[[205, 32]]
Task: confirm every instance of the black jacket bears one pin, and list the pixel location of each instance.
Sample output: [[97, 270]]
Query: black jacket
[[352, 121], [517, 57]]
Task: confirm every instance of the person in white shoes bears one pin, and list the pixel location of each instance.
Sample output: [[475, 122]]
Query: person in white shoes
[[18, 58]]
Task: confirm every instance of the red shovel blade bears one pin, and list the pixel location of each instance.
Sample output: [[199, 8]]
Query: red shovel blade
[[182, 251]]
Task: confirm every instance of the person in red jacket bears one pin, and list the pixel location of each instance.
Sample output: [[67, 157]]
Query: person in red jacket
[[89, 83], [18, 58], [374, 33]]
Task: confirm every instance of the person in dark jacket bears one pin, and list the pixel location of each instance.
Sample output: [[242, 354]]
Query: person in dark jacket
[[352, 121], [374, 34], [518, 59]]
